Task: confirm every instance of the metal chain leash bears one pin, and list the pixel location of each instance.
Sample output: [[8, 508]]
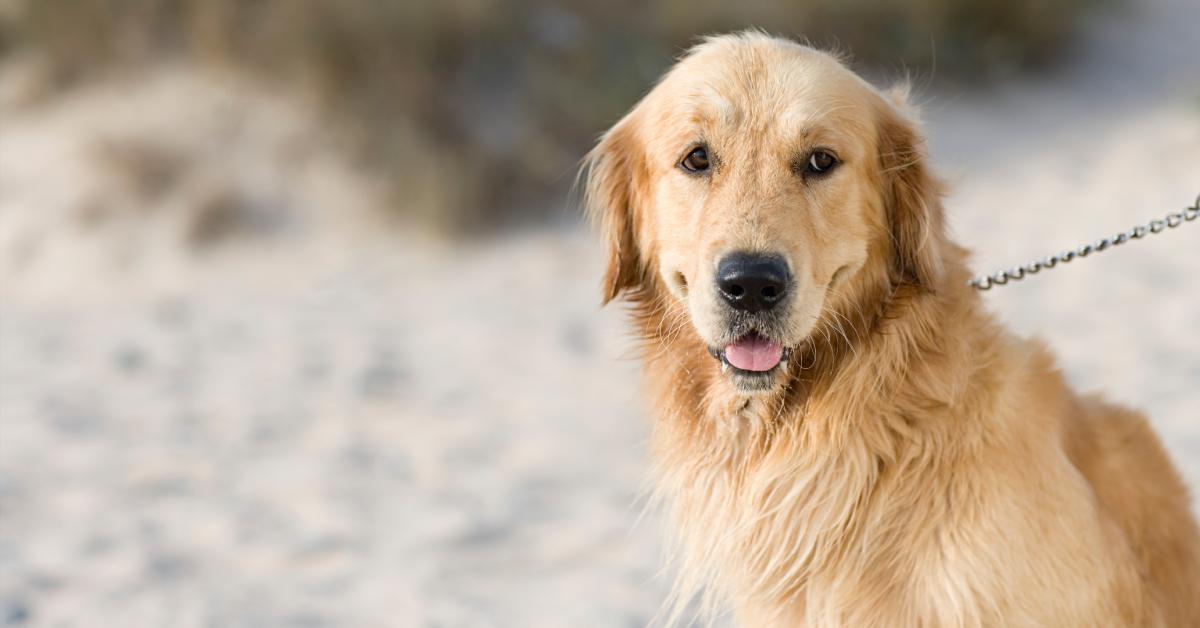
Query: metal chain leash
[[1016, 273]]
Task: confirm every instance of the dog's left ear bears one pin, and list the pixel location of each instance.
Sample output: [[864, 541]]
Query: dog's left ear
[[912, 195], [615, 172]]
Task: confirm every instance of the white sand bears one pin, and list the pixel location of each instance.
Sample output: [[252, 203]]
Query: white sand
[[320, 421]]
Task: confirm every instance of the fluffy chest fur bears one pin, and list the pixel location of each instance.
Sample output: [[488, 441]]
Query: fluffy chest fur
[[877, 494]]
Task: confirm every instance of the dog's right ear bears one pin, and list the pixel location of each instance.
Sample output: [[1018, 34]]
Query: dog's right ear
[[615, 171]]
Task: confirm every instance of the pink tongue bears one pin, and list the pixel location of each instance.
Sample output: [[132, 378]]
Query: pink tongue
[[754, 353]]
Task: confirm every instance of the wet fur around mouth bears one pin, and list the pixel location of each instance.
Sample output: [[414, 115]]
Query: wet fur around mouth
[[766, 325], [738, 325]]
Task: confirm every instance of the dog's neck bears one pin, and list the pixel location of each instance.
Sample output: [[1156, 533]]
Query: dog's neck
[[745, 476]]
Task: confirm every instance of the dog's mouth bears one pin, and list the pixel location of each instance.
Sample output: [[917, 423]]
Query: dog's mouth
[[751, 355]]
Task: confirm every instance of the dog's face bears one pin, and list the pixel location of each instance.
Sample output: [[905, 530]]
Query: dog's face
[[757, 186]]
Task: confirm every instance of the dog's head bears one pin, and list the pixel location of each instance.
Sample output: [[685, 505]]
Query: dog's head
[[762, 187]]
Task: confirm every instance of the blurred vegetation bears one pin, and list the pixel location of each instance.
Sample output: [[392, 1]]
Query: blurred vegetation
[[478, 110]]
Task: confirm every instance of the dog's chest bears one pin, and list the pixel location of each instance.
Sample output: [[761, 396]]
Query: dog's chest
[[818, 534]]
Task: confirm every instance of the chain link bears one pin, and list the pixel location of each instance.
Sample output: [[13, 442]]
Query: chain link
[[1016, 273]]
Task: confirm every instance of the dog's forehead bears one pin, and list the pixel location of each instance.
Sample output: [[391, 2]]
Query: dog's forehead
[[731, 81]]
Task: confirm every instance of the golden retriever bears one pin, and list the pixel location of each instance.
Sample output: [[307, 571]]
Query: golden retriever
[[844, 435]]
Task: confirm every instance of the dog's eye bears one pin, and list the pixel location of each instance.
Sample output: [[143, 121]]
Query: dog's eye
[[695, 161], [820, 162]]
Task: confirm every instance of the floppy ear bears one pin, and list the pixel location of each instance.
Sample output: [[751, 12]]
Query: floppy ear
[[615, 172], [912, 196]]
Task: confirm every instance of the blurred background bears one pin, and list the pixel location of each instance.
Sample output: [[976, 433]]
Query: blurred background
[[300, 325]]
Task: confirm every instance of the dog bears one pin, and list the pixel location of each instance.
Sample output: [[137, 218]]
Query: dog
[[843, 435]]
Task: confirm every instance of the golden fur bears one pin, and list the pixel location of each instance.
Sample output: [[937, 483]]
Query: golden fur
[[911, 463]]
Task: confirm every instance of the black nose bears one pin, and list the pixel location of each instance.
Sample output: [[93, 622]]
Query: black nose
[[752, 282]]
